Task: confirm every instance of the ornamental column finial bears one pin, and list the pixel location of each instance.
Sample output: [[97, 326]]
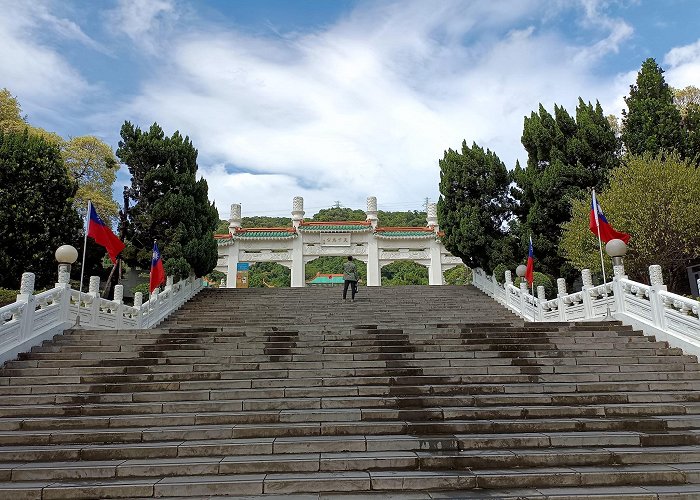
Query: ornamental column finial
[[372, 210], [297, 210], [234, 220]]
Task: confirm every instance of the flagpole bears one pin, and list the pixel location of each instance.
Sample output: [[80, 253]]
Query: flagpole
[[82, 267], [608, 316], [600, 241]]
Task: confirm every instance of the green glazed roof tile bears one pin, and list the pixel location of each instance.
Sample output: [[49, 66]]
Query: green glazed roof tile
[[265, 234], [336, 228]]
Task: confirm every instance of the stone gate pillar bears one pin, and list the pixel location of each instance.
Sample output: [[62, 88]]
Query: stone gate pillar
[[298, 277], [435, 267], [374, 276], [232, 265]]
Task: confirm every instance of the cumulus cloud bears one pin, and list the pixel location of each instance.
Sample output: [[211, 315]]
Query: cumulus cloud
[[362, 106], [145, 22], [368, 105], [30, 65], [683, 65]]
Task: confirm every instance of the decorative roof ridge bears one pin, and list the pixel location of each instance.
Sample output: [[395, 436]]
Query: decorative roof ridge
[[265, 230], [222, 236], [336, 223], [427, 229]]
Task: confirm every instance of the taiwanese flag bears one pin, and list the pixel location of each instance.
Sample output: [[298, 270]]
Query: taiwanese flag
[[157, 271], [598, 222], [530, 270], [103, 235]]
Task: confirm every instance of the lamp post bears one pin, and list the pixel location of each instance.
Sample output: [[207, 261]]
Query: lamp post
[[616, 249], [66, 255], [521, 270]]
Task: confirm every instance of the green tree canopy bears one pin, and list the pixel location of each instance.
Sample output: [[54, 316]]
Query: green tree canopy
[[473, 205], [171, 205], [412, 218], [92, 165], [566, 157], [37, 214], [338, 214], [404, 272], [269, 274], [652, 122], [654, 199], [11, 119]]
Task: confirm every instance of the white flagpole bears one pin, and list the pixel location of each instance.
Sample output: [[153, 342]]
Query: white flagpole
[[82, 267], [600, 241]]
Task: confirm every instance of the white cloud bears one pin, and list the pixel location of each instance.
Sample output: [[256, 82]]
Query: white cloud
[[145, 22], [364, 106], [30, 66], [683, 65], [368, 105]]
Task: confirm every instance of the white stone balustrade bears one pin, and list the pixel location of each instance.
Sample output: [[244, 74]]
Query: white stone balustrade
[[34, 318], [651, 308]]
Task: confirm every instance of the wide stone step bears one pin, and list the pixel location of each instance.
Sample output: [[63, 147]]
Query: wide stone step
[[406, 422], [173, 392], [354, 481], [672, 416], [348, 461], [189, 382], [284, 445]]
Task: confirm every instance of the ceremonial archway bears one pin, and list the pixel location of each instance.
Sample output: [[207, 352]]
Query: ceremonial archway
[[304, 241]]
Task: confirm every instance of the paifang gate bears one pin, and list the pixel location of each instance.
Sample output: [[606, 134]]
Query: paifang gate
[[304, 241]]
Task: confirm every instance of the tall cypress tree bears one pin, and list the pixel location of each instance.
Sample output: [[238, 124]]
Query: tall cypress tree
[[651, 122], [473, 205], [566, 156], [169, 203], [37, 214]]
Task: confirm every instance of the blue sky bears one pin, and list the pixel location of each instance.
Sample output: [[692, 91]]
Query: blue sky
[[333, 100]]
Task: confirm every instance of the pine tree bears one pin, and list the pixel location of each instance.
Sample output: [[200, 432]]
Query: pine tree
[[473, 205], [37, 215], [170, 204], [652, 122], [566, 157]]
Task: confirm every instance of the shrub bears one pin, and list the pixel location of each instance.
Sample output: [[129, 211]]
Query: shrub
[[541, 279], [499, 272]]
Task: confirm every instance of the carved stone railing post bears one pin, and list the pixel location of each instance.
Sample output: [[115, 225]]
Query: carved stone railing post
[[64, 284], [541, 298], [508, 283], [119, 299], [169, 304], [523, 298], [94, 286], [26, 296], [587, 285], [94, 292], [656, 280], [138, 304], [561, 292]]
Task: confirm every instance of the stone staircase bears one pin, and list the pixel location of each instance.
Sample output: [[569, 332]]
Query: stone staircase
[[412, 392]]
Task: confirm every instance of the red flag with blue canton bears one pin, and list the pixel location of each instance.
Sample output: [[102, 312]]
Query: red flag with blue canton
[[157, 271], [598, 221], [530, 270], [103, 235]]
